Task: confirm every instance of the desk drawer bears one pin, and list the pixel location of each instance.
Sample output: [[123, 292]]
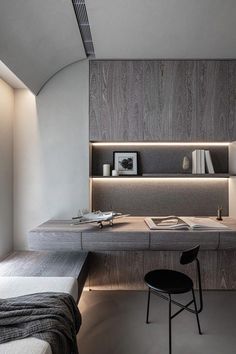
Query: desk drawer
[[54, 240], [115, 241], [179, 240], [227, 240]]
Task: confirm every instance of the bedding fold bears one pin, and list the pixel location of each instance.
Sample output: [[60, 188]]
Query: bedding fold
[[52, 317]]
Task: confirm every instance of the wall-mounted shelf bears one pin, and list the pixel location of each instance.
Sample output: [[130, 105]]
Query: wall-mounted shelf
[[161, 186], [171, 175], [158, 144]]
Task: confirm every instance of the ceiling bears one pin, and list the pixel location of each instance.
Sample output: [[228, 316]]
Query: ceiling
[[8, 76], [38, 38], [168, 29]]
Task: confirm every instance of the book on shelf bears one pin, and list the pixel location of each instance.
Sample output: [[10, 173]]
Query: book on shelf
[[209, 164], [194, 162], [202, 156], [202, 162], [183, 223]]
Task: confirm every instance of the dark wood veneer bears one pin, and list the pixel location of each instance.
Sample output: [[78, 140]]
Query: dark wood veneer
[[163, 100]]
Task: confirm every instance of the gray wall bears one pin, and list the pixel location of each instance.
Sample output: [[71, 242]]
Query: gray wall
[[6, 167], [51, 151], [161, 196]]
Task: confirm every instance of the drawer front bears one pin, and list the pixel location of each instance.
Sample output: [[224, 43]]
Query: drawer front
[[180, 240], [227, 240], [115, 241], [56, 241]]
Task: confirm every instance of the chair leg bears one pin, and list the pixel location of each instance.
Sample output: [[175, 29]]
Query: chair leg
[[170, 335], [148, 303], [195, 306]]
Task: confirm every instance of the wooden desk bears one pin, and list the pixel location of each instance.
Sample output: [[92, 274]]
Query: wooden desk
[[122, 254]]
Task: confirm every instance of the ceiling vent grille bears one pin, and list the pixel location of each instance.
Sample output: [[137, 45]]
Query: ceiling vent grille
[[82, 19]]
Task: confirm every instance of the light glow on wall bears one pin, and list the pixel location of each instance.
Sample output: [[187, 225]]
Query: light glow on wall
[[159, 144], [159, 179]]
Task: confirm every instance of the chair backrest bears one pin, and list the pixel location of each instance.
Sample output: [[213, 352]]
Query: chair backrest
[[188, 256]]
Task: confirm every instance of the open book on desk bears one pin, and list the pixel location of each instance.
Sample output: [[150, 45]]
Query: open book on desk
[[184, 223]]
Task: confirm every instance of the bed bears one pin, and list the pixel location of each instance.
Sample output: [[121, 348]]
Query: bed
[[17, 286]]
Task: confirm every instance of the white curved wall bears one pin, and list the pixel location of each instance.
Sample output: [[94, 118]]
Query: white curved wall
[[39, 38], [51, 151]]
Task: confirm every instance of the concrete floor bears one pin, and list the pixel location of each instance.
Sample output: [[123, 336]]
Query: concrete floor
[[114, 323]]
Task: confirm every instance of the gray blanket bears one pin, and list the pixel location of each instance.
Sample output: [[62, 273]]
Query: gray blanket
[[52, 317]]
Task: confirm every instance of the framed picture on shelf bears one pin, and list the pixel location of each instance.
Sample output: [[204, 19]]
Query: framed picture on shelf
[[126, 162]]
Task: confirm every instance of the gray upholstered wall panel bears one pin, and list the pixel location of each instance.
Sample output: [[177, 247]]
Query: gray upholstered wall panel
[[161, 196]]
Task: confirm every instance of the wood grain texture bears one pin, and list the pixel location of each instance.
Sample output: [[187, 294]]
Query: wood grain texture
[[115, 241], [158, 93], [227, 240], [226, 265], [116, 97], [44, 264], [206, 79], [171, 240], [126, 270], [47, 264], [162, 100], [116, 270], [130, 233], [54, 240], [96, 122], [232, 100], [183, 101], [213, 96]]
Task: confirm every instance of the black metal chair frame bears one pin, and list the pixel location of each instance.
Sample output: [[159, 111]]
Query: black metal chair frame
[[196, 311]]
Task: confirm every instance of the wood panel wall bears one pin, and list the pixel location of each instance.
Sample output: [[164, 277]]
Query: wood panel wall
[[114, 270], [162, 100]]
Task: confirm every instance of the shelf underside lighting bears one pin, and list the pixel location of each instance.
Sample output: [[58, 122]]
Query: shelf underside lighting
[[160, 143], [159, 179]]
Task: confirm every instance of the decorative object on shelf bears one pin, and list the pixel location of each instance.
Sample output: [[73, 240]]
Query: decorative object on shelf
[[115, 173], [185, 164], [219, 213], [106, 170], [126, 162]]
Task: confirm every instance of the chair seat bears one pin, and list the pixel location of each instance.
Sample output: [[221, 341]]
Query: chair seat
[[168, 281]]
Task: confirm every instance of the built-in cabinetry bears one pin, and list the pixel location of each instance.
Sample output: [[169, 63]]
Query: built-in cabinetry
[[163, 100], [166, 101], [122, 254], [168, 190]]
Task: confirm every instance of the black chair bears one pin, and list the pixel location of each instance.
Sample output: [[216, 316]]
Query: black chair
[[165, 282]]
